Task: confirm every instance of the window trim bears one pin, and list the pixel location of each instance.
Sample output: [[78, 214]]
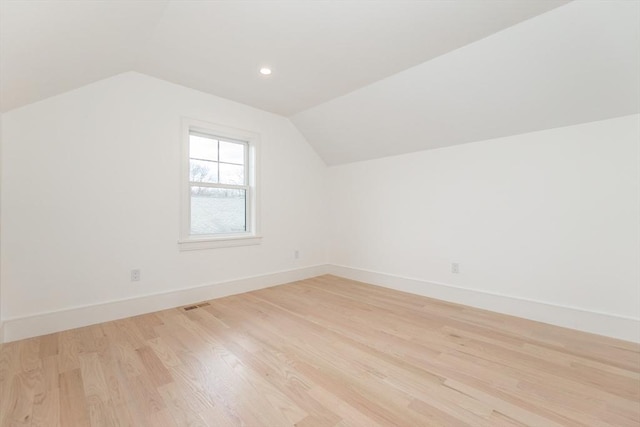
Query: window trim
[[187, 241]]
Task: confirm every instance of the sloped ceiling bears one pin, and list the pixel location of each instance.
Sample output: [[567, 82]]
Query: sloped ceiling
[[575, 64], [317, 49], [50, 47], [360, 79]]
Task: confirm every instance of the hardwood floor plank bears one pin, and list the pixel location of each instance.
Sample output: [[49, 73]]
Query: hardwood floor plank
[[156, 371], [30, 354], [16, 408], [93, 379], [68, 351], [320, 352], [9, 360], [74, 410], [46, 409], [49, 345], [181, 410], [164, 352]]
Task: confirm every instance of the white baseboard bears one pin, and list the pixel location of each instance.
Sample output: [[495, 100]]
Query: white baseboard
[[46, 323], [610, 325], [615, 326]]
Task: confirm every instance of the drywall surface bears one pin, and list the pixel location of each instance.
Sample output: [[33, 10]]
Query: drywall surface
[[1, 318], [574, 64], [90, 191], [551, 216]]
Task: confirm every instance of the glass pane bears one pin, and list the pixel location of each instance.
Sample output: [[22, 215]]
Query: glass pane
[[232, 152], [203, 148], [231, 174], [201, 171], [217, 210]]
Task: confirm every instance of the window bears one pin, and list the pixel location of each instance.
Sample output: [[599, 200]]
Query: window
[[219, 194]]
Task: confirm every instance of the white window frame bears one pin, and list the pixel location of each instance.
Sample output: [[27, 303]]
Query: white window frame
[[187, 241]]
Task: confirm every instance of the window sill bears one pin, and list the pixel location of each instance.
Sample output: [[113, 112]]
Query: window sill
[[218, 242]]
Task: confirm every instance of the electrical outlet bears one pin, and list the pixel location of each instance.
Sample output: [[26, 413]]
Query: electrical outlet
[[455, 268], [296, 254], [135, 275]]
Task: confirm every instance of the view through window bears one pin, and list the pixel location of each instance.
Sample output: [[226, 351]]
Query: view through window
[[218, 184]]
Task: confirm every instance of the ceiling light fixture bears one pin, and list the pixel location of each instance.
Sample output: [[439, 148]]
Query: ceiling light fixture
[[265, 71]]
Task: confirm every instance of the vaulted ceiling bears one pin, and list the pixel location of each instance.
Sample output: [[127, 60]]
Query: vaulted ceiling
[[575, 64], [360, 79]]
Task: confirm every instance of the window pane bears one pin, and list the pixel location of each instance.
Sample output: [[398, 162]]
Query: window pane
[[231, 174], [201, 171], [217, 210], [232, 152], [203, 148]]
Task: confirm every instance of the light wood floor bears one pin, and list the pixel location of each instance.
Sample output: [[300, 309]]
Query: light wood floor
[[320, 352]]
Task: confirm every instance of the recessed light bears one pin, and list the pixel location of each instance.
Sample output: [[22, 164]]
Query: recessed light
[[265, 71]]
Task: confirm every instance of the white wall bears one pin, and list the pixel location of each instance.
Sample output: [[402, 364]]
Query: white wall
[[1, 318], [90, 190], [550, 216]]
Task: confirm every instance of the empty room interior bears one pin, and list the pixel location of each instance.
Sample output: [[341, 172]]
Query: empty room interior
[[319, 213]]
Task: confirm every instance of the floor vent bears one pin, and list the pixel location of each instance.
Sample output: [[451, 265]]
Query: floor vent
[[193, 307]]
